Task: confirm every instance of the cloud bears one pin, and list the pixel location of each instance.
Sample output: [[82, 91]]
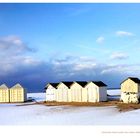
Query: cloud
[[118, 56], [100, 40], [13, 53], [17, 66], [13, 44], [34, 74], [124, 33]]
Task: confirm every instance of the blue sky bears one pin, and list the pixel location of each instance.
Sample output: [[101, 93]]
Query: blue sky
[[42, 43]]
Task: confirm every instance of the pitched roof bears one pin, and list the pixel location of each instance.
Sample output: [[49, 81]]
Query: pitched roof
[[53, 84], [3, 86], [82, 83], [134, 79], [99, 83], [68, 84], [16, 86]]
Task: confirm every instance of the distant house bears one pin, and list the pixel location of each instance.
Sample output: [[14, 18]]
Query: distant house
[[51, 91], [130, 90], [63, 92], [78, 91], [4, 94], [18, 94]]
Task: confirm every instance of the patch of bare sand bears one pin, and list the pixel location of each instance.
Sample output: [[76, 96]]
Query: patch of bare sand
[[122, 107]]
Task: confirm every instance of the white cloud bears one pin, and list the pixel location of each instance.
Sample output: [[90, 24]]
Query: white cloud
[[28, 60], [124, 33], [13, 55], [13, 44], [80, 67], [68, 68], [100, 39], [89, 69], [118, 56]]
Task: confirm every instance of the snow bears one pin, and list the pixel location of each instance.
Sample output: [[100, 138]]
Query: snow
[[114, 91], [37, 114], [114, 94], [37, 96]]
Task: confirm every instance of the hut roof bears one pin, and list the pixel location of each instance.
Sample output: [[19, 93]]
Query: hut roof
[[82, 83], [99, 83], [134, 79], [16, 86], [53, 84], [3, 86], [68, 84]]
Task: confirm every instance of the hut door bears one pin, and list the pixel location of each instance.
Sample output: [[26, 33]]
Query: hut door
[[90, 94], [52, 95]]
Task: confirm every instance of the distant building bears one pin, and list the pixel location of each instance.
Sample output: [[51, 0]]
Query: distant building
[[4, 94], [78, 91], [130, 90], [18, 94]]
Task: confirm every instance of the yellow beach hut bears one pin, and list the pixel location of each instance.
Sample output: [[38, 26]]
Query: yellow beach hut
[[18, 94], [4, 94], [130, 90]]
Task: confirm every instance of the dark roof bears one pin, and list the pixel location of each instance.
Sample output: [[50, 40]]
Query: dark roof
[[134, 79], [99, 83], [82, 83], [53, 84], [68, 84]]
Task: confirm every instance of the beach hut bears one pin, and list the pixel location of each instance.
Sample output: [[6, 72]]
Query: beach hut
[[4, 94], [130, 90], [131, 84], [18, 94], [63, 92], [51, 91], [96, 91], [77, 91]]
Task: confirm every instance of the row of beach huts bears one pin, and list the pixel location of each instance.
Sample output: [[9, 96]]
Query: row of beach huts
[[76, 91], [14, 94], [92, 91]]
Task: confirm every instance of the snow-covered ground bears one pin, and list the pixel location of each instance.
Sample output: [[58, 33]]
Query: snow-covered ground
[[10, 114]]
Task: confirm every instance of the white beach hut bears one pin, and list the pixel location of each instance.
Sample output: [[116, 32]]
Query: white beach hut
[[63, 92], [51, 91], [96, 91], [77, 91]]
